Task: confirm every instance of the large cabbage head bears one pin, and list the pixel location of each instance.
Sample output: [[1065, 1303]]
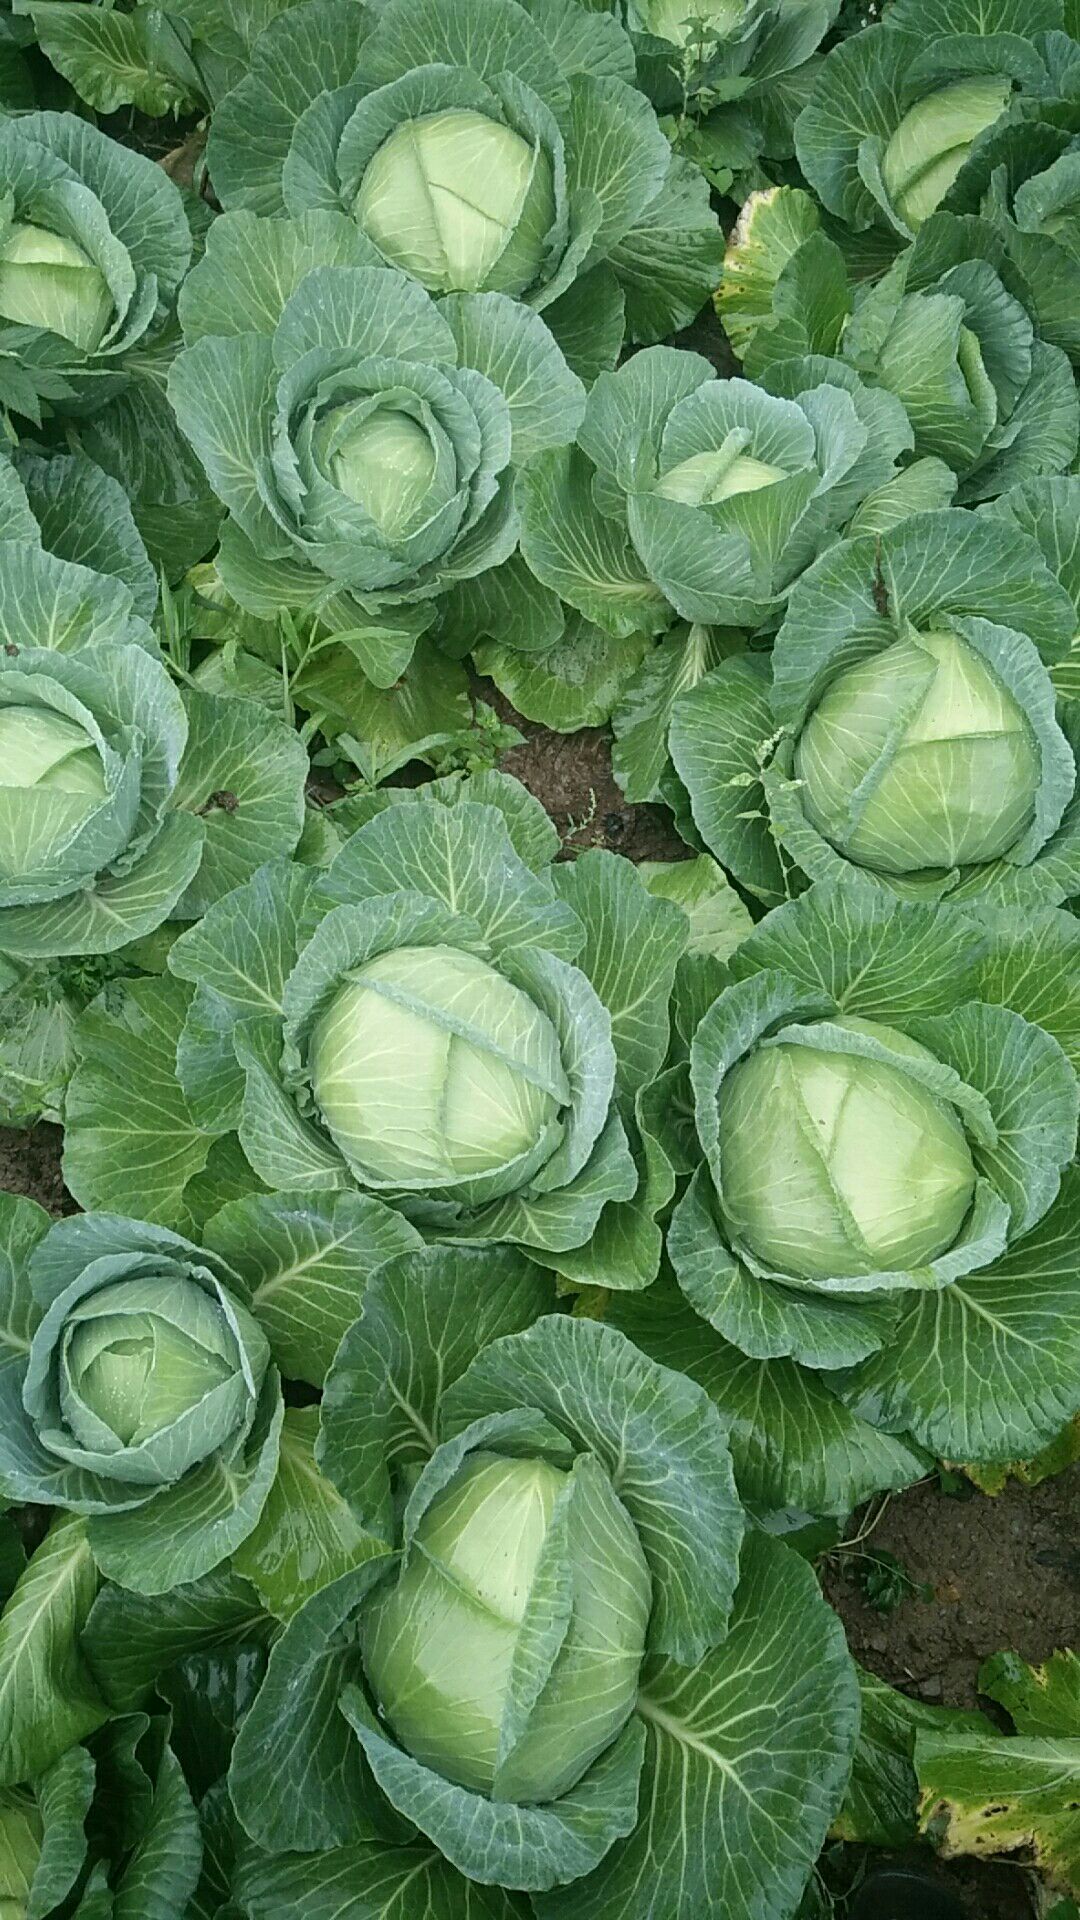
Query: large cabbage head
[[52, 780], [441, 1042], [887, 1108], [490, 149], [429, 1068], [894, 113], [48, 281], [934, 138], [461, 201], [445, 1073], [447, 1646], [552, 1506], [908, 729], [837, 1155], [920, 758]]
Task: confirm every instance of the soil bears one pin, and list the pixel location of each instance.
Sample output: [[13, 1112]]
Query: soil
[[30, 1165], [571, 774], [999, 1573]]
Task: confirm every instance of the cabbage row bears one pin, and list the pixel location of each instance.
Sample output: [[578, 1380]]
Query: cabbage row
[[498, 1267]]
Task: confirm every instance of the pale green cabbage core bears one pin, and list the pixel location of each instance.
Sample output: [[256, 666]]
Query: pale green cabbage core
[[919, 759], [677, 20], [386, 464], [933, 140], [444, 1646], [135, 1371], [460, 202], [834, 1165], [48, 281], [705, 479], [51, 781], [21, 1832], [429, 1067]]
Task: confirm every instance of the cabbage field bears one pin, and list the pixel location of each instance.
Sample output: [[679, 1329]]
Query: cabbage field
[[539, 960]]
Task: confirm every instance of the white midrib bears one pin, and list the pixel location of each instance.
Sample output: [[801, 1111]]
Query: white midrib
[[678, 1730], [424, 1432], [287, 1275]]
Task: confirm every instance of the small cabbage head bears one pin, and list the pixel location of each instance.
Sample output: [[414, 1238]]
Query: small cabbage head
[[460, 202], [51, 781], [381, 457], [140, 1379], [48, 281], [919, 759], [21, 1833], [837, 1159], [704, 479], [431, 1068], [450, 1649], [933, 140]]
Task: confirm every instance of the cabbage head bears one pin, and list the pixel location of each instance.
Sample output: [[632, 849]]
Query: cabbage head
[[886, 1105], [934, 138], [560, 1535], [692, 497], [877, 1169], [895, 113], [967, 345], [907, 729], [449, 1039], [442, 1643], [481, 146], [147, 1389], [93, 247], [919, 758], [430, 1067], [122, 800], [374, 474]]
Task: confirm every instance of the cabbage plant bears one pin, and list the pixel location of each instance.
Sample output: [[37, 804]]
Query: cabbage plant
[[485, 147], [177, 60], [93, 248], [544, 1667], [896, 111], [442, 1020], [886, 1102], [362, 438], [123, 801], [950, 329], [145, 1397], [88, 263], [59, 1843], [692, 497], [905, 728], [1024, 179]]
